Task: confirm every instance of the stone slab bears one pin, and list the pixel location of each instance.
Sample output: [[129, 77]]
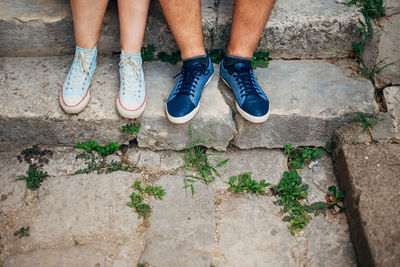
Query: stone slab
[[155, 160], [369, 175], [392, 7], [297, 29], [32, 114], [214, 119], [182, 226], [84, 208], [309, 100], [392, 97], [250, 225], [384, 130], [263, 164], [90, 255], [11, 191]]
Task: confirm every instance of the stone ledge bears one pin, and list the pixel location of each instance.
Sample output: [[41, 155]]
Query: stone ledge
[[297, 29], [309, 100]]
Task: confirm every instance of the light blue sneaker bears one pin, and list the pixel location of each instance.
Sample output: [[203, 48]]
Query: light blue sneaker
[[75, 93], [131, 101], [183, 102]]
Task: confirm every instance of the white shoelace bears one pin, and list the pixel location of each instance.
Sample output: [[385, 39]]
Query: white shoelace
[[130, 87], [76, 76]]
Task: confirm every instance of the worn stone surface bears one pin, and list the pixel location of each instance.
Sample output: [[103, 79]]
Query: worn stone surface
[[44, 28], [250, 225], [383, 131], [89, 255], [263, 164], [214, 118], [299, 29], [156, 160], [31, 111], [369, 175], [309, 100], [392, 7], [392, 96], [11, 191], [182, 226]]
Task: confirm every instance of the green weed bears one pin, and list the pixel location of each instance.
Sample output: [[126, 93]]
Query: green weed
[[260, 60], [141, 208], [365, 121], [172, 58], [94, 163], [328, 147], [131, 128], [243, 184], [22, 232], [33, 179], [299, 157], [94, 146], [148, 52], [197, 160], [216, 55]]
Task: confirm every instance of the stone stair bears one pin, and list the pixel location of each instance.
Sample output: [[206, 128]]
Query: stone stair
[[310, 98], [297, 29]]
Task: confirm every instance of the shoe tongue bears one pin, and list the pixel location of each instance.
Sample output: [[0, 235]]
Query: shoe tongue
[[240, 65]]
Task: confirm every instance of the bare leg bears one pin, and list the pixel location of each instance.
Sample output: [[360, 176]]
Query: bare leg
[[132, 21], [87, 16], [184, 19], [249, 20]]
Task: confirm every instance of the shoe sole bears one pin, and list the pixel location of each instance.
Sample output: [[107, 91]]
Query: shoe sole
[[78, 107], [188, 117], [247, 116], [130, 114]]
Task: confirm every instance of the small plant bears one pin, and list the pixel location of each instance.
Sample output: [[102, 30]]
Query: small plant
[[299, 157], [94, 163], [141, 208], [365, 121], [172, 58], [216, 55], [33, 179], [335, 199], [329, 147], [94, 146], [260, 60], [148, 52], [22, 232], [243, 184], [131, 128], [197, 160], [34, 153]]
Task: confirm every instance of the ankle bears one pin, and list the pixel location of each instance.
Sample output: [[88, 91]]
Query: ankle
[[92, 51]]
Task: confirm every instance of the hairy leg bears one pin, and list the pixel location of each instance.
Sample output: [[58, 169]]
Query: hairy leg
[[184, 20], [132, 21], [88, 16], [249, 19]]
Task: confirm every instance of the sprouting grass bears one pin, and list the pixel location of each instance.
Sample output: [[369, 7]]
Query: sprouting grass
[[33, 179], [22, 232], [243, 184], [260, 60], [131, 128], [365, 121], [197, 160], [141, 208], [94, 146], [148, 52]]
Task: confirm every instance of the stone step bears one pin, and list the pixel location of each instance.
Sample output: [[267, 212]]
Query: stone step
[[297, 29], [309, 100]]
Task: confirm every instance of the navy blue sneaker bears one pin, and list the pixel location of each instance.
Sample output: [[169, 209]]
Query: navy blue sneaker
[[183, 102], [251, 101]]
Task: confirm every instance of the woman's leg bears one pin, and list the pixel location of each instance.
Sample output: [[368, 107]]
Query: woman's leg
[[88, 16], [131, 100], [132, 21]]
